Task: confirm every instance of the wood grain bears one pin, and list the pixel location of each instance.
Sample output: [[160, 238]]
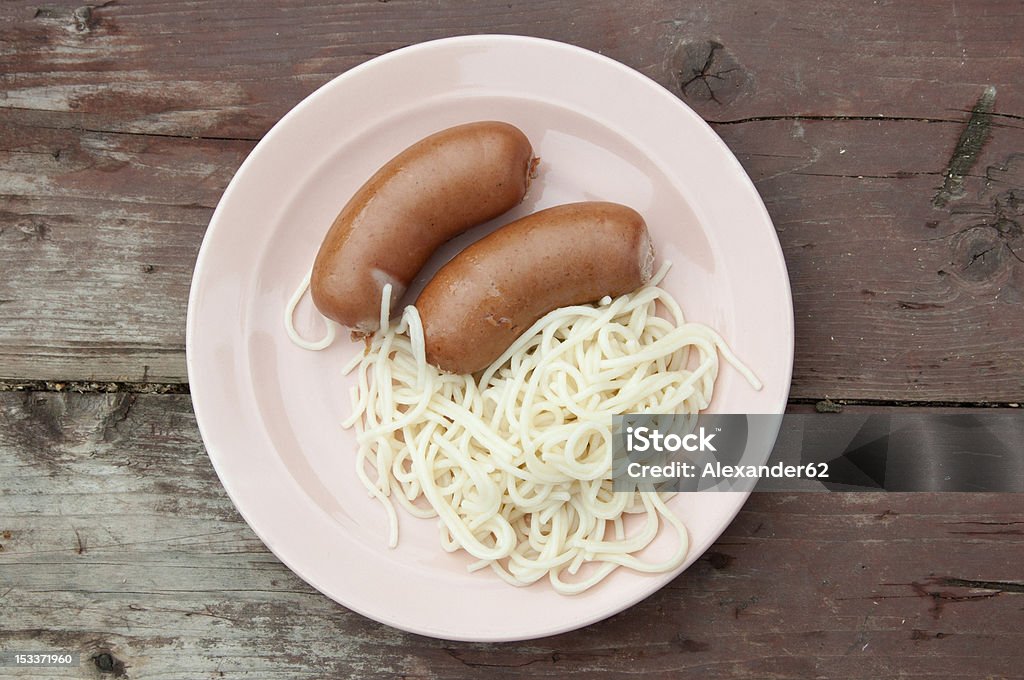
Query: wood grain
[[118, 539], [887, 140], [98, 235], [121, 124], [220, 70]]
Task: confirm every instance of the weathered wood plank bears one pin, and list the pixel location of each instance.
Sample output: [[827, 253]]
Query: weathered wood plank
[[98, 237], [105, 190], [894, 295], [895, 298], [118, 539], [216, 70]]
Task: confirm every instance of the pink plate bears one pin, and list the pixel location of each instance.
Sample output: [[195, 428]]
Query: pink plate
[[270, 412]]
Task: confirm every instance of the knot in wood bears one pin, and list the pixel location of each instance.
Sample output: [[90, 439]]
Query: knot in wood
[[706, 71]]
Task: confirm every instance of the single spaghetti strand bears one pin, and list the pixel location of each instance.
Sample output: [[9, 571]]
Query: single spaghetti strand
[[289, 320]]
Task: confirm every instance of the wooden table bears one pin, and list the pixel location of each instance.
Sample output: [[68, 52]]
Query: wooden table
[[887, 140]]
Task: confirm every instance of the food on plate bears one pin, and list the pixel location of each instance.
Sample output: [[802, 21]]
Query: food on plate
[[487, 295], [489, 403], [517, 464], [434, 190]]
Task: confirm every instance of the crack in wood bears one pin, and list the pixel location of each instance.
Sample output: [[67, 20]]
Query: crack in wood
[[907, 304], [1012, 116], [987, 524], [84, 387], [919, 634], [898, 175], [703, 75], [89, 387], [707, 71], [112, 421], [130, 133], [999, 586], [204, 138], [908, 403], [456, 654], [801, 116], [177, 591], [940, 598], [978, 256]]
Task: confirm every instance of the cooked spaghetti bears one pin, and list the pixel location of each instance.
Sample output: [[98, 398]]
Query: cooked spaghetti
[[516, 462]]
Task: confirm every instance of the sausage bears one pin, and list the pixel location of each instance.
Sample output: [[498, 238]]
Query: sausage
[[494, 290], [433, 191]]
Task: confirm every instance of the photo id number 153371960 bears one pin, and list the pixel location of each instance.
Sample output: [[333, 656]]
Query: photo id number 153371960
[[48, 659]]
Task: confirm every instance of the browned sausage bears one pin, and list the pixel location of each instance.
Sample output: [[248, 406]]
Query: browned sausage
[[436, 189], [484, 298]]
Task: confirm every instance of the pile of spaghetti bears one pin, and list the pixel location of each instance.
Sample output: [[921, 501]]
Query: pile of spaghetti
[[516, 462]]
